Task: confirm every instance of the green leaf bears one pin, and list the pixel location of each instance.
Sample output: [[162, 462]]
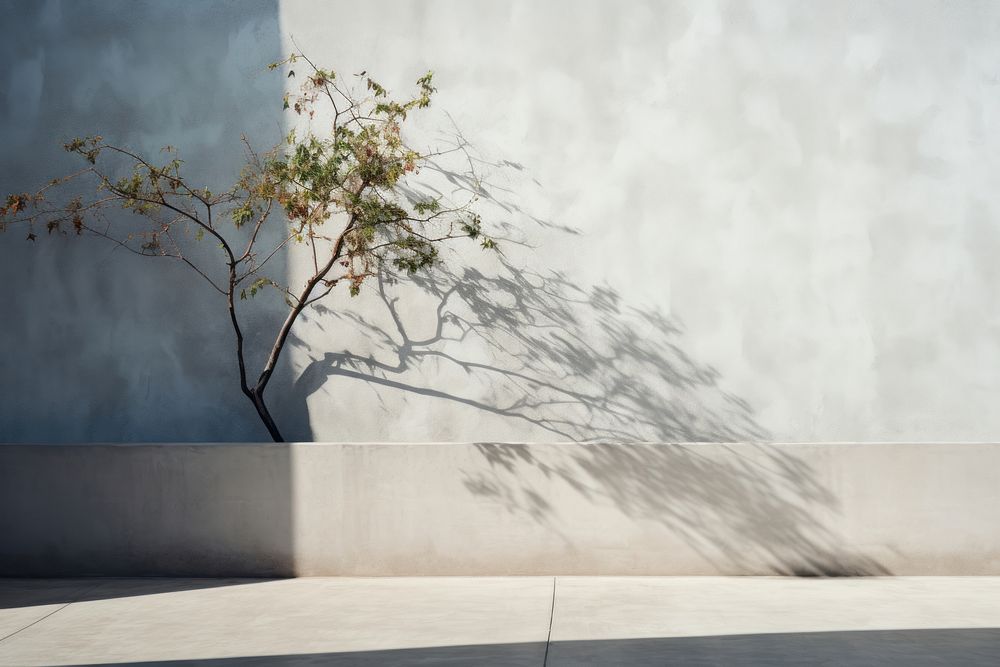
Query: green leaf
[[258, 285], [376, 89], [429, 206], [242, 215]]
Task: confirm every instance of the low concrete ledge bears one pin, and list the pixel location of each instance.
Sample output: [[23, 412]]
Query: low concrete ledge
[[499, 509]]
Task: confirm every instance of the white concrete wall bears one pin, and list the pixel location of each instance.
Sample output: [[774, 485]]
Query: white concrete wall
[[791, 204], [492, 509], [768, 220]]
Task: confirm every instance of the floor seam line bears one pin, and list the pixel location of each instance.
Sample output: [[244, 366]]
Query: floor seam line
[[51, 613], [552, 613]]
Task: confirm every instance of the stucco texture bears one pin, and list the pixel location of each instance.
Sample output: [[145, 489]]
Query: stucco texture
[[720, 221]]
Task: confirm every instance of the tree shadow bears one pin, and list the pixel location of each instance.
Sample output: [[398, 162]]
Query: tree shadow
[[580, 365], [741, 509], [576, 363]]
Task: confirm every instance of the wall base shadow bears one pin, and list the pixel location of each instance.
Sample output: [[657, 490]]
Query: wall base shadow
[[25, 592]]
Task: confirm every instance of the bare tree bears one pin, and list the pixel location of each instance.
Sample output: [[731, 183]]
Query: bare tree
[[340, 192]]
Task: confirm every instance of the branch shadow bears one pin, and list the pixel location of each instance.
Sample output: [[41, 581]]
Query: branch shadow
[[577, 364]]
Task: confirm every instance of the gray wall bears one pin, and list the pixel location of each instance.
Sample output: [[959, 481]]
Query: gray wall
[[492, 509], [744, 220]]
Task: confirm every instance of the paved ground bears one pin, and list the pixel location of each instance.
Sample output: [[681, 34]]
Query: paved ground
[[501, 621]]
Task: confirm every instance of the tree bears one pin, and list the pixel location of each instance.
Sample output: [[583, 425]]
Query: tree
[[340, 192]]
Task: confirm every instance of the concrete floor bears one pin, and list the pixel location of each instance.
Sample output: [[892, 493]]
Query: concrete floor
[[501, 621]]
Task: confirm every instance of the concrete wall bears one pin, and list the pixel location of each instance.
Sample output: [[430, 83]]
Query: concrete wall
[[491, 509], [744, 220]]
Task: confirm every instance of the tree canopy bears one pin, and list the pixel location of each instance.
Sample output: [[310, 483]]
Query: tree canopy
[[336, 186]]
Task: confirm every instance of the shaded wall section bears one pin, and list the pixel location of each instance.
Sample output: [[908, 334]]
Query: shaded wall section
[[98, 344], [101, 345], [146, 510]]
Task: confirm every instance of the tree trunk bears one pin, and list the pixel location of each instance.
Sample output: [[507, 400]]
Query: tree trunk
[[265, 416]]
